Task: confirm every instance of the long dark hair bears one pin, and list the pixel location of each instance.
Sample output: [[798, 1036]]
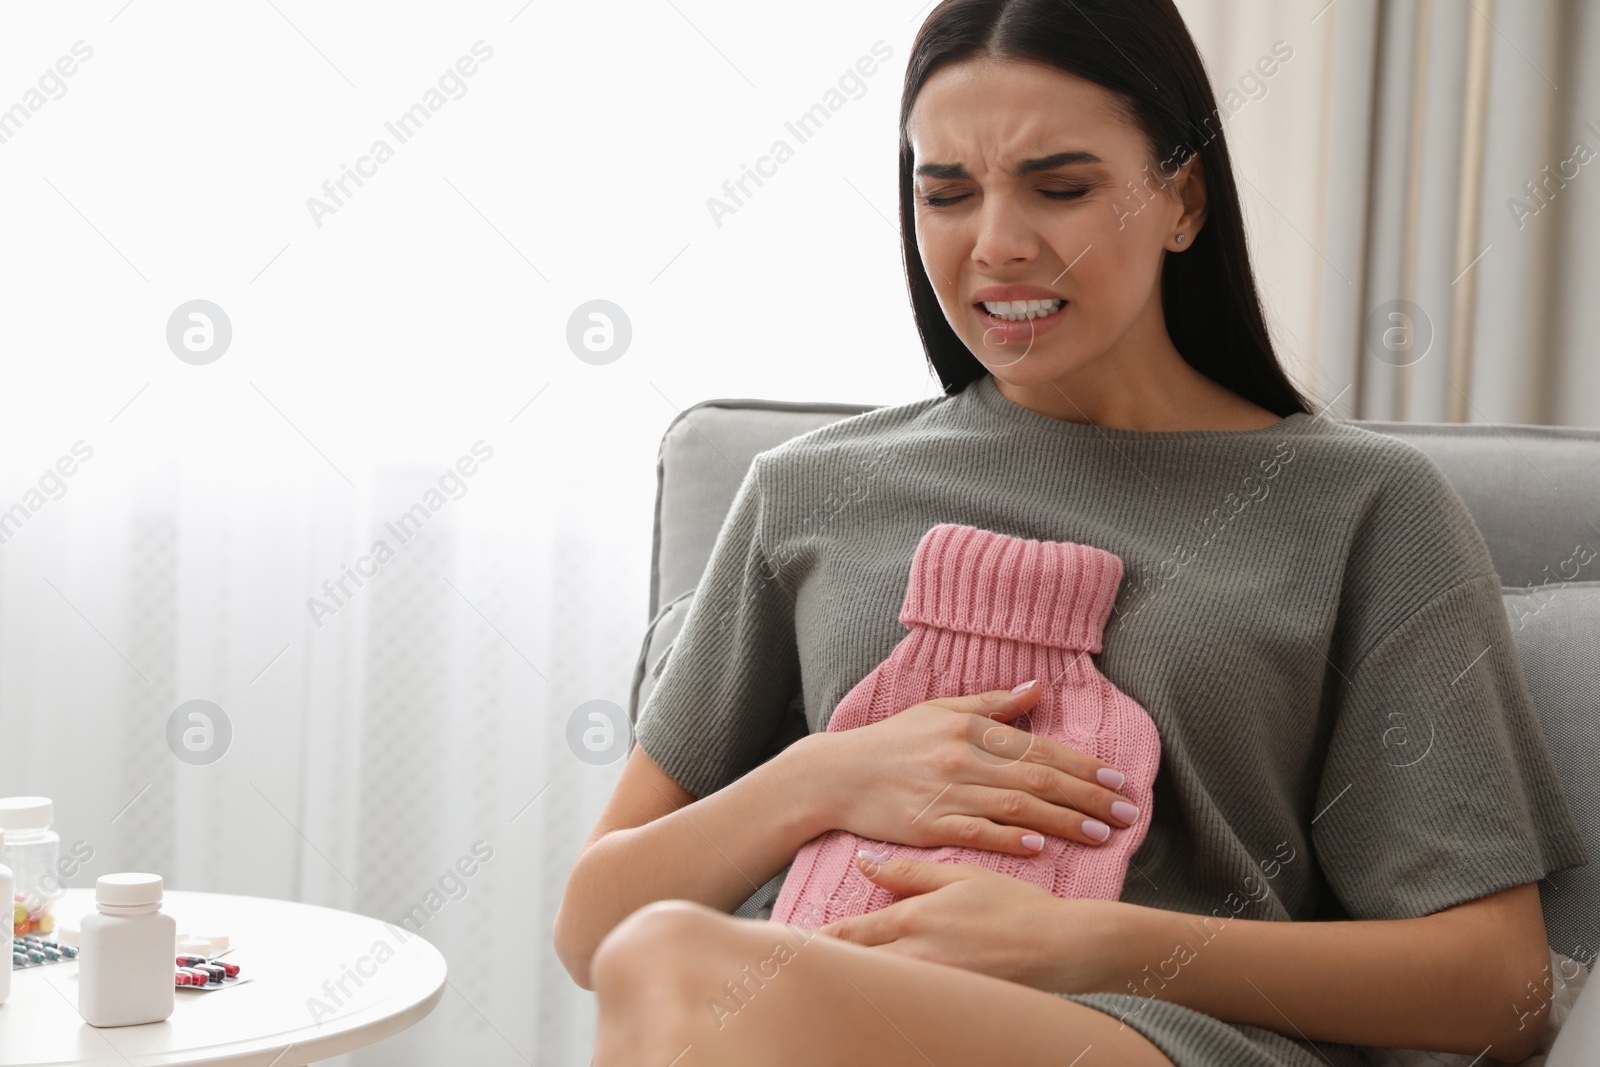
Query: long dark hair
[[1141, 51]]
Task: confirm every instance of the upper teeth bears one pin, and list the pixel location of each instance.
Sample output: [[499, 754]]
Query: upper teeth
[[1021, 309]]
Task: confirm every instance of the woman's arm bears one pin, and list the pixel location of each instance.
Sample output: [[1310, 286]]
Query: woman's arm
[[716, 850], [1459, 980], [915, 777], [1474, 978]]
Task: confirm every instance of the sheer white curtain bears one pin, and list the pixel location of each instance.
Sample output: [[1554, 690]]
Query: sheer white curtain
[[1422, 194], [379, 738], [368, 754], [374, 346]]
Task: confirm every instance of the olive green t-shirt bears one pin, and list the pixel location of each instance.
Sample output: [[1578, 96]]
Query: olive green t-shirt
[[1308, 613]]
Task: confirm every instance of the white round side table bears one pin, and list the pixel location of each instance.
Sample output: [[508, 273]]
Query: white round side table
[[322, 983]]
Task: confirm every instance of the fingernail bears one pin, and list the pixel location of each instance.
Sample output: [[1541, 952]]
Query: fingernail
[[1033, 841], [1109, 778], [1096, 829], [872, 857], [1024, 686], [1121, 809]]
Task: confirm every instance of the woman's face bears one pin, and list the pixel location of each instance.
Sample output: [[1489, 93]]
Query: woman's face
[[1030, 187]]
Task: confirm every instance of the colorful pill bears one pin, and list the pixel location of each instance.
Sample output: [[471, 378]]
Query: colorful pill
[[215, 971], [228, 969]]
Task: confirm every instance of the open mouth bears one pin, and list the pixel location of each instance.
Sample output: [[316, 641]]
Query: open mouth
[[1019, 310]]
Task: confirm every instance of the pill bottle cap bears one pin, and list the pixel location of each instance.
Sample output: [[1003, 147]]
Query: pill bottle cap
[[26, 813], [128, 890]]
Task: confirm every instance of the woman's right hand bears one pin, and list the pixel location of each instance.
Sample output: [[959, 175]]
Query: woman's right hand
[[950, 771]]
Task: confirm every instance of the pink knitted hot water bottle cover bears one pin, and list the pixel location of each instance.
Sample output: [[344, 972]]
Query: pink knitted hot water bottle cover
[[987, 611]]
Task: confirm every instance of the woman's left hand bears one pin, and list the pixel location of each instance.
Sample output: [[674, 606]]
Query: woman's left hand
[[979, 920]]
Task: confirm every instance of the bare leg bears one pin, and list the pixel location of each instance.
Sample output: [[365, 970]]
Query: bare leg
[[682, 985]]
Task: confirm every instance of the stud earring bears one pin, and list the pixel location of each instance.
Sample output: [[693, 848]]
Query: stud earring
[[1180, 238]]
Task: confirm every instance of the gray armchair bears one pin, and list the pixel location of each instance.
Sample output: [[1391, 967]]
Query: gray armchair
[[1533, 491]]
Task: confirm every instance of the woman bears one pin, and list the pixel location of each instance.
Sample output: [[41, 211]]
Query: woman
[[1308, 614]]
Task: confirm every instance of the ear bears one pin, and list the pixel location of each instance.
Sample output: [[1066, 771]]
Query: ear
[[1189, 185]]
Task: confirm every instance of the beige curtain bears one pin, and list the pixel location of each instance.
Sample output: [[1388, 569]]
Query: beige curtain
[[1422, 181]]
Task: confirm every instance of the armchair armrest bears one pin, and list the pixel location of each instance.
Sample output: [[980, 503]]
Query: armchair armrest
[[1578, 1043]]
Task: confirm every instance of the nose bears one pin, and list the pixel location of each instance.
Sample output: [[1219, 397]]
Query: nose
[[1005, 236]]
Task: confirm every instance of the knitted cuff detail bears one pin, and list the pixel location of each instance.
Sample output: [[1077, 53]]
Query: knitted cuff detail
[[1055, 593]]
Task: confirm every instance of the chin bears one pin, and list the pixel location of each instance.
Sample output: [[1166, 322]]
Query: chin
[[1032, 370]]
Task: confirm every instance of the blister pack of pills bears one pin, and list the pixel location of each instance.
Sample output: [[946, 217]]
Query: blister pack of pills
[[206, 973], [31, 951]]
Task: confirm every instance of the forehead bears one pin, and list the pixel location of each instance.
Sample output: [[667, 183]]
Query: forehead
[[990, 113]]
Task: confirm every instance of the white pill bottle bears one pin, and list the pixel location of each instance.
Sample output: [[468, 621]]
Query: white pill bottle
[[7, 893], [125, 953], [33, 852]]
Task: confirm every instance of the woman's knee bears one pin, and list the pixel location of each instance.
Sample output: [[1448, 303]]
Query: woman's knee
[[661, 947]]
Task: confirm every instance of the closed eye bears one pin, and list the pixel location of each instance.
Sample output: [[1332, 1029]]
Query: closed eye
[[1053, 194]]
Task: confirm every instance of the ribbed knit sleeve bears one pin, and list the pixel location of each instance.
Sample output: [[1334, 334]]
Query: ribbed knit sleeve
[[1437, 786], [734, 669]]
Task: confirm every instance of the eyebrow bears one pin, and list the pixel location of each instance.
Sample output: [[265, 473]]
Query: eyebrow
[[1027, 166]]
